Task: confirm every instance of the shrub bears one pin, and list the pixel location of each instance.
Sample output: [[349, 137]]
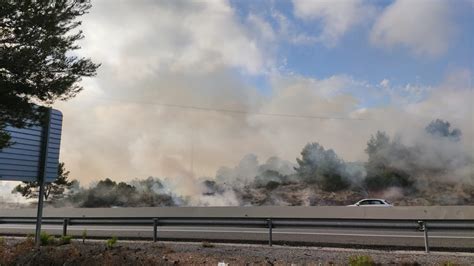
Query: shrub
[[84, 236], [271, 185], [361, 260], [388, 177], [52, 240], [112, 241], [46, 239], [206, 244], [65, 240], [334, 182]]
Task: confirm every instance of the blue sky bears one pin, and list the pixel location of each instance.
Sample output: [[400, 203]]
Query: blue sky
[[355, 55]]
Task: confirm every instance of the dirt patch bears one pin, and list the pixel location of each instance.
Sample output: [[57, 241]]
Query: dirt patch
[[18, 251]]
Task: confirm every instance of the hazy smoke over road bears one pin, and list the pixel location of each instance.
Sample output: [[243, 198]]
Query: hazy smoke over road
[[435, 169]]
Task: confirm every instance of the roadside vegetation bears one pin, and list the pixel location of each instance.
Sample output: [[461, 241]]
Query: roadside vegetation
[[51, 240], [207, 244], [84, 236], [15, 251], [361, 260], [111, 242]]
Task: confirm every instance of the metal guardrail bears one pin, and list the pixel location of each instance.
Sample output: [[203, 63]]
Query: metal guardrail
[[270, 223]]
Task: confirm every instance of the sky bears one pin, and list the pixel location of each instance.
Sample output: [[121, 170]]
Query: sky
[[186, 87]]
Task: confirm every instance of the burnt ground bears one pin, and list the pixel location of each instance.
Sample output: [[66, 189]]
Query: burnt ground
[[21, 251]]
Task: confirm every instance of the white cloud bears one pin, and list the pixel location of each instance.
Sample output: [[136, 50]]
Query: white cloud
[[337, 17], [262, 28], [425, 27], [176, 35], [384, 83]]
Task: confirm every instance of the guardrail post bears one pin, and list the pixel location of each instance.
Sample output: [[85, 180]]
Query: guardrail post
[[427, 247], [424, 228], [270, 229], [65, 224], [155, 229]]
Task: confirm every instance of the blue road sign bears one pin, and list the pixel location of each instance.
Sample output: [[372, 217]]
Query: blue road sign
[[34, 152]]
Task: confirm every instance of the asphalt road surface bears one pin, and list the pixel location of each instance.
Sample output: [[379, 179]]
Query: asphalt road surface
[[327, 236]]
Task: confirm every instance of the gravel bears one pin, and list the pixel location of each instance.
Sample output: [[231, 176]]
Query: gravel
[[18, 251]]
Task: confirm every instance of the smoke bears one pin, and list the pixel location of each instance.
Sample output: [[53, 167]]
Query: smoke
[[133, 120], [403, 173], [7, 198], [435, 154]]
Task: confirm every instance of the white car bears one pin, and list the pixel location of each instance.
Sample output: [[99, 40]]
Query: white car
[[372, 203]]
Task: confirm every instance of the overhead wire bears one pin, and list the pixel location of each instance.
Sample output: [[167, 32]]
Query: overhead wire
[[234, 111]]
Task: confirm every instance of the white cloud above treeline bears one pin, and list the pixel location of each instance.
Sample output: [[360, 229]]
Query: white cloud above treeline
[[336, 17], [425, 27], [172, 35]]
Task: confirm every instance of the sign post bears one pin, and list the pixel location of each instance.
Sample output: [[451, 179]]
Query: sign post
[[42, 176], [34, 157]]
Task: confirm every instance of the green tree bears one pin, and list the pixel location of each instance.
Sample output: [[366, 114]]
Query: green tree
[[4, 137], [377, 148], [322, 167], [441, 128], [389, 163], [52, 191], [37, 38]]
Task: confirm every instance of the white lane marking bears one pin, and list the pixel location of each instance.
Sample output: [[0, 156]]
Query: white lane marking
[[266, 232]]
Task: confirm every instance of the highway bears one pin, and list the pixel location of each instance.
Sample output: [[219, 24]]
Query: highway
[[354, 235], [306, 236]]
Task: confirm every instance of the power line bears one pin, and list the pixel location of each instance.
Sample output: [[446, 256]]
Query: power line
[[231, 111]]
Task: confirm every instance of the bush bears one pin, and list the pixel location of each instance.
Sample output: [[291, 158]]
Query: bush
[[65, 240], [84, 236], [112, 241], [389, 177], [334, 182], [46, 239], [271, 185], [52, 240], [361, 260], [206, 244]]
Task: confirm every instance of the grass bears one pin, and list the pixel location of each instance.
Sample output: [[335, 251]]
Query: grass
[[50, 240], [64, 240], [361, 260], [46, 239], [449, 263], [84, 236]]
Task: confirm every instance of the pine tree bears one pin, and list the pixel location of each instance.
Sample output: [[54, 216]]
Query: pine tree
[[36, 63], [52, 191]]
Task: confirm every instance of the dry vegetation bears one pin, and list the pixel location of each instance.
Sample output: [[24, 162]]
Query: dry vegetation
[[23, 252]]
